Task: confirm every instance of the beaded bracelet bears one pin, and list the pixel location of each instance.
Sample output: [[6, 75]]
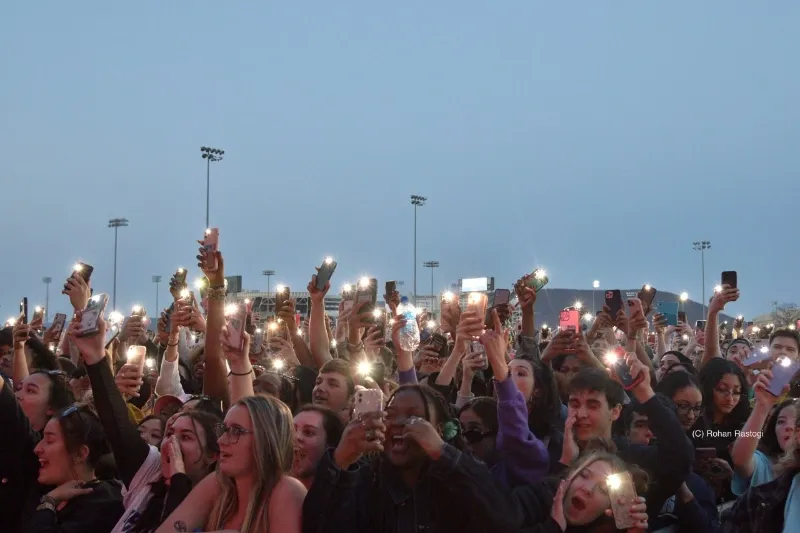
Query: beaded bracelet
[[217, 294]]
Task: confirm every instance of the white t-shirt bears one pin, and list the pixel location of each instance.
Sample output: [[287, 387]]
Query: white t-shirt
[[138, 494]]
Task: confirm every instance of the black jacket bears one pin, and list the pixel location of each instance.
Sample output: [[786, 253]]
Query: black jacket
[[97, 512], [19, 466], [455, 494]]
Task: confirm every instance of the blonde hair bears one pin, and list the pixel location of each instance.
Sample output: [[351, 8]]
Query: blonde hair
[[790, 461], [273, 449]]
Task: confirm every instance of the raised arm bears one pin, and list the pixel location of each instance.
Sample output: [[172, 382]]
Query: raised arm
[[317, 330], [215, 377]]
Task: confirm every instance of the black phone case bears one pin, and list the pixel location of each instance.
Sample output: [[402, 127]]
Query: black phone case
[[614, 302], [325, 273], [729, 277]]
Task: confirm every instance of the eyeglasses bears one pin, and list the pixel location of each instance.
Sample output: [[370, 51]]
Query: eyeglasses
[[234, 432], [684, 409], [474, 436], [728, 393]]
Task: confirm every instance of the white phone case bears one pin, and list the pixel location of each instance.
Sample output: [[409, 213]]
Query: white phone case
[[368, 401]]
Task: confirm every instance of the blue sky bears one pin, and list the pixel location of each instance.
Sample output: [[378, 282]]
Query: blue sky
[[598, 139]]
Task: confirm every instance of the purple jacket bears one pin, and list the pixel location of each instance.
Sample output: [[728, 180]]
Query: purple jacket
[[522, 459]]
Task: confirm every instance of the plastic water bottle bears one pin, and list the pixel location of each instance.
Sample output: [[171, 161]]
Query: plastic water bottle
[[409, 335]]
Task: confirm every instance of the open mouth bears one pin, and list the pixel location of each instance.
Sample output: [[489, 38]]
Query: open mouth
[[399, 444], [224, 455], [577, 503]]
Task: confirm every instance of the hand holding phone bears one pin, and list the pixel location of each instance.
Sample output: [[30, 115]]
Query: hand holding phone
[[569, 320], [783, 371], [367, 401], [91, 315], [23, 310], [324, 273], [537, 280], [614, 302], [622, 494]]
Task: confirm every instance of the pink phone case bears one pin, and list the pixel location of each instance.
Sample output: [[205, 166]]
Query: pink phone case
[[211, 245], [569, 320], [634, 304], [627, 492], [477, 302], [235, 323]]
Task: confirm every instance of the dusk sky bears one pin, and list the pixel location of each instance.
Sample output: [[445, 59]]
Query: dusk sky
[[597, 139]]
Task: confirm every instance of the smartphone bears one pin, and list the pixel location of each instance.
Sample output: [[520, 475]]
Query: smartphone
[[439, 342], [477, 302], [58, 323], [621, 488], [700, 325], [136, 356], [282, 295], [258, 341], [704, 454], [139, 311], [211, 246], [614, 302], [616, 360], [569, 320], [326, 270], [94, 310], [669, 310], [479, 350], [367, 291], [756, 357], [537, 280], [179, 279], [682, 317], [783, 372], [235, 321], [83, 270], [390, 289], [729, 278], [634, 305], [367, 401], [500, 297], [647, 295], [23, 310], [38, 314]]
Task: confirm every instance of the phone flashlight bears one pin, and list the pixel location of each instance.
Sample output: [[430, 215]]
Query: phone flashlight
[[448, 297], [377, 313], [115, 317], [431, 324], [347, 287], [540, 273], [578, 305], [740, 317], [200, 283], [208, 231], [364, 368], [96, 298], [136, 309], [278, 364], [280, 288], [391, 321], [686, 337], [718, 288], [613, 482], [474, 297], [38, 309], [785, 362], [363, 282], [611, 358], [273, 326], [150, 363], [77, 268], [230, 309], [764, 349], [333, 343], [647, 287], [259, 330], [185, 294], [51, 347], [328, 260], [544, 327], [11, 322]]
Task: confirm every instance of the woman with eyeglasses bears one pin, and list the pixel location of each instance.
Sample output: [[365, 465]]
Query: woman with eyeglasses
[[684, 390], [754, 458], [156, 480], [71, 498], [725, 410], [251, 491]]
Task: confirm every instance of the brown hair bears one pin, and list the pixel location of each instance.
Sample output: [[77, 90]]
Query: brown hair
[[791, 459], [340, 366]]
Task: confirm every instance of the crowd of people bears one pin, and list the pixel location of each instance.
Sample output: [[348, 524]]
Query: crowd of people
[[219, 423]]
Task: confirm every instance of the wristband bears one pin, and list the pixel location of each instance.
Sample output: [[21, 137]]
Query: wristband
[[232, 373], [216, 293]]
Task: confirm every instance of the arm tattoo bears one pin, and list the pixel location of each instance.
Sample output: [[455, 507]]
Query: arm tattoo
[[180, 526]]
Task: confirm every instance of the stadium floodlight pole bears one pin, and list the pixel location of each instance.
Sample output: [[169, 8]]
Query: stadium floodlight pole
[[431, 265], [211, 155], [416, 201], [157, 280], [47, 281], [702, 246], [595, 286], [269, 274], [116, 223]]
